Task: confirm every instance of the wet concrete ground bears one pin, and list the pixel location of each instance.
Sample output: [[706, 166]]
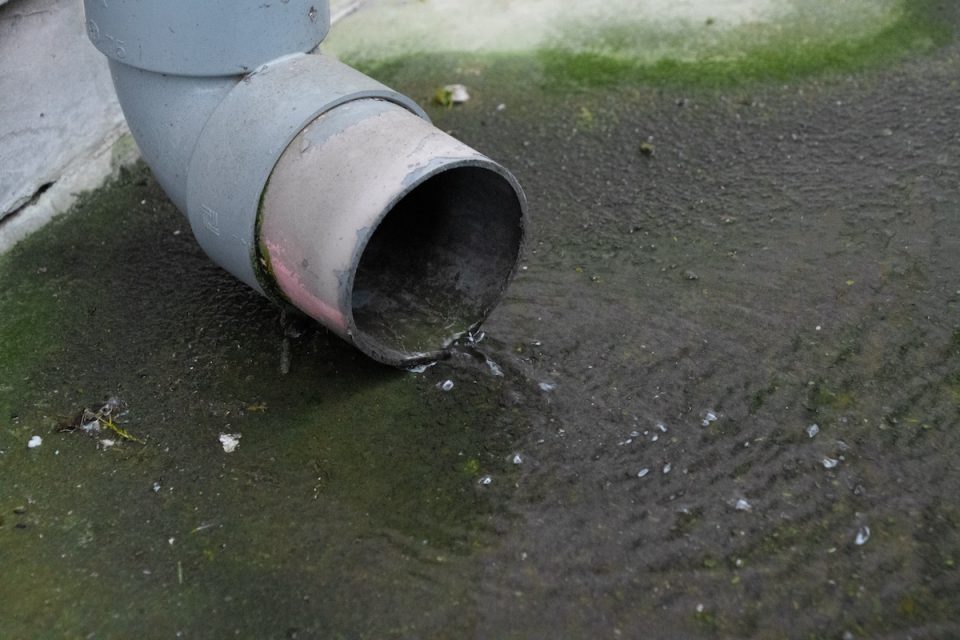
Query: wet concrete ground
[[735, 263]]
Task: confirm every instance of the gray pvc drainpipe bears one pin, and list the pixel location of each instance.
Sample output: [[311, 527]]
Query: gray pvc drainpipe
[[309, 181]]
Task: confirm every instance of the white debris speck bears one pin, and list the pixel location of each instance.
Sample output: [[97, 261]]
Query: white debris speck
[[170, 541], [486, 481], [700, 608], [667, 467], [156, 487], [446, 385], [517, 459], [829, 463], [813, 430], [662, 427], [457, 93], [494, 368], [709, 417], [818, 327], [634, 434], [230, 441], [654, 437], [743, 505], [91, 427], [106, 443], [863, 534], [501, 107], [420, 368], [547, 386], [643, 472], [34, 442]]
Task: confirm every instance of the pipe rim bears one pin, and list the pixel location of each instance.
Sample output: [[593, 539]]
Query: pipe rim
[[378, 349]]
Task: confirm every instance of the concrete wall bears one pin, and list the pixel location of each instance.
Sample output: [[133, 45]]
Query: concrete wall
[[61, 129], [59, 118]]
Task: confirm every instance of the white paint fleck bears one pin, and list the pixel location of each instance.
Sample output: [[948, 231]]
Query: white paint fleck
[[643, 472], [458, 93], [829, 463], [34, 442], [230, 441], [863, 534]]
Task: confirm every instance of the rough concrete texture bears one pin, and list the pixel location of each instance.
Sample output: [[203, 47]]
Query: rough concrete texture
[[58, 109], [720, 258]]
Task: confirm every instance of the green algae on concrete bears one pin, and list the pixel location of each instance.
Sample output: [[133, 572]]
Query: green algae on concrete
[[340, 457], [597, 43]]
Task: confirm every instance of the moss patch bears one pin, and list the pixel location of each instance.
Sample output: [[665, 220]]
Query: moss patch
[[636, 53]]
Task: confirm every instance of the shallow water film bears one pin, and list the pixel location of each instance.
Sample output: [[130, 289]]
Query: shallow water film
[[720, 399]]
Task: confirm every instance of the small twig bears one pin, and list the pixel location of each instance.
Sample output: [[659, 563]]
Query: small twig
[[120, 431]]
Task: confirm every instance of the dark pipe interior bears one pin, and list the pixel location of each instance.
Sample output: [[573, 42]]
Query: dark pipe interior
[[439, 260]]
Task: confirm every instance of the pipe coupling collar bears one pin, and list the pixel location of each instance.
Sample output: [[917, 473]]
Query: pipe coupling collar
[[246, 135]]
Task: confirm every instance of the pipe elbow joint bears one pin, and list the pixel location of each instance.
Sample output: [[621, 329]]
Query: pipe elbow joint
[[316, 185]]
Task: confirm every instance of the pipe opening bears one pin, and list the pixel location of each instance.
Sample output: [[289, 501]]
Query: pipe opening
[[438, 261]]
